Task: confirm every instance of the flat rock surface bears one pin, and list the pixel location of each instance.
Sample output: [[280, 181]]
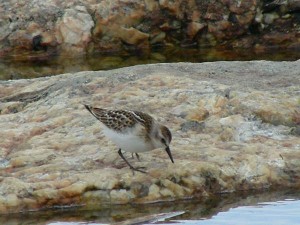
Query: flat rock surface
[[235, 126]]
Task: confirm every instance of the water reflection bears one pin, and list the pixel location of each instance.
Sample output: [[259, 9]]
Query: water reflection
[[276, 213], [30, 66], [269, 208]]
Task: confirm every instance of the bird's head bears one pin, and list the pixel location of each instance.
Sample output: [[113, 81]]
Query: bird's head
[[163, 140]]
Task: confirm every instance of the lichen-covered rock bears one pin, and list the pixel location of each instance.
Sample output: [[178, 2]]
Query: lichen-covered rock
[[233, 126], [57, 26]]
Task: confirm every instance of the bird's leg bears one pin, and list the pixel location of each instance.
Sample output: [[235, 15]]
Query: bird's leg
[[131, 167], [137, 156]]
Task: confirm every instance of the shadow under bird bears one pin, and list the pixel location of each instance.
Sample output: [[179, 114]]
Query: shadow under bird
[[133, 131]]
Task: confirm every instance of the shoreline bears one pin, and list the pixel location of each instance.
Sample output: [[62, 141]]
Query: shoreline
[[235, 128]]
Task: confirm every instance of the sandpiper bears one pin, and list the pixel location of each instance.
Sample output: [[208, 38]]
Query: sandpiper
[[133, 131]]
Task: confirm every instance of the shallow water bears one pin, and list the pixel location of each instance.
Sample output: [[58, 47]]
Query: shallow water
[[40, 64], [276, 208], [281, 212]]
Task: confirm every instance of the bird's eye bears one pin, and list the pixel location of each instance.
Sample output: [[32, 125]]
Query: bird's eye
[[163, 141]]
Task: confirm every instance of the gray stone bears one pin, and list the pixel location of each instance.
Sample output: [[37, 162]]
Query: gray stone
[[52, 151]]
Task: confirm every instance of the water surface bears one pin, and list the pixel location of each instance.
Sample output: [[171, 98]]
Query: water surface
[[21, 66], [276, 208]]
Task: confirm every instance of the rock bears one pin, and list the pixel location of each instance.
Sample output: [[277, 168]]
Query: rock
[[192, 125], [154, 191], [52, 152], [193, 28], [246, 18], [216, 11], [151, 5], [243, 6], [270, 17], [157, 38], [4, 30], [217, 29], [280, 111], [77, 27], [21, 38], [296, 131], [280, 38], [293, 5], [133, 36], [172, 7]]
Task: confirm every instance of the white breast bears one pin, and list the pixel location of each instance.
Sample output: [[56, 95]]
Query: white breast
[[129, 141]]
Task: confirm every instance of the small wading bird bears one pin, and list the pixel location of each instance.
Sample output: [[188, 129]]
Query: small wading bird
[[133, 131]]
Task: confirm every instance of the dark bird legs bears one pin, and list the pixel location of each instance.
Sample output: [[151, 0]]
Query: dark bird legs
[[130, 166]]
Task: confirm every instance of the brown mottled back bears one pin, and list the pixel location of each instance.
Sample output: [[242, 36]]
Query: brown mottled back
[[119, 120]]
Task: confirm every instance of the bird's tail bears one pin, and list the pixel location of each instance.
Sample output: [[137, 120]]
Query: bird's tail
[[96, 112], [89, 108]]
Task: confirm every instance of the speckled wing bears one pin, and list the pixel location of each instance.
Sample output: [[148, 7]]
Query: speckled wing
[[117, 120], [121, 119], [144, 119]]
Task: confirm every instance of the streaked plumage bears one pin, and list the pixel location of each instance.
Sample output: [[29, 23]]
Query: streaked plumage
[[133, 131]]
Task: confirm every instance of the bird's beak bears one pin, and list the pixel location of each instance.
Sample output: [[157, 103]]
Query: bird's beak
[[169, 153]]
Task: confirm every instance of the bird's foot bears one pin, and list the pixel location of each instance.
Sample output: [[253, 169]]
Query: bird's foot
[[138, 169]]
